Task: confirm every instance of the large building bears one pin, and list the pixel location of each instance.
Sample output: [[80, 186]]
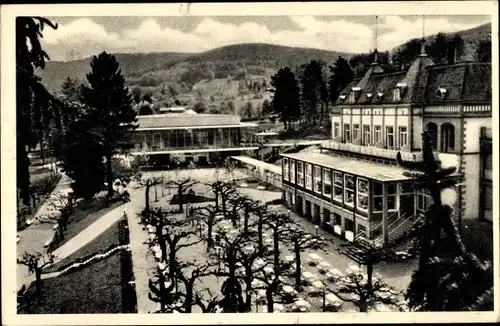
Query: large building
[[355, 188], [201, 138]]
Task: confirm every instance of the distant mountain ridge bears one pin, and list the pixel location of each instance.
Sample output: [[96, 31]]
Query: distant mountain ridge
[[171, 66]]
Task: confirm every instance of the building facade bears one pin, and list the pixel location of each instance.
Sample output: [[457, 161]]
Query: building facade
[[383, 113], [201, 138]]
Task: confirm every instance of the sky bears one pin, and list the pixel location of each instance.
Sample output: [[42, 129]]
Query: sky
[[80, 37]]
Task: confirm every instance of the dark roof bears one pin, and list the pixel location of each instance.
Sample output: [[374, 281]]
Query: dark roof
[[166, 121], [464, 82]]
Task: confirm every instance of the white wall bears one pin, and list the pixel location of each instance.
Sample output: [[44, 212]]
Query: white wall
[[473, 132], [471, 183]]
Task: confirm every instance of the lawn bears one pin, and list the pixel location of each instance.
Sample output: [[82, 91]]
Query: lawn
[[84, 215], [96, 288], [102, 242]]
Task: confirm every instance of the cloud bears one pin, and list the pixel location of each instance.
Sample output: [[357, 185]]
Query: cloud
[[302, 31]]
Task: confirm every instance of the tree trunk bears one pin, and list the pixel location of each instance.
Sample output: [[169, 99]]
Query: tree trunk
[[217, 199], [259, 232], [276, 247], [296, 248], [171, 262], [247, 217], [209, 235], [146, 197], [156, 193], [224, 207], [363, 305], [269, 299], [189, 297], [162, 292], [42, 150], [109, 171], [38, 279], [369, 273], [248, 292], [181, 199]]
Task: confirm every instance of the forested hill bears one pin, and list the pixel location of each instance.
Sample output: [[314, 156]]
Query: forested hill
[[154, 68]]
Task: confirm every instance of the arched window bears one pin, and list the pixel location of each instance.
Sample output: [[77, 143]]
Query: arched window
[[432, 129], [447, 137]]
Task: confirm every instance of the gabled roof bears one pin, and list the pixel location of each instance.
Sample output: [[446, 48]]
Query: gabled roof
[[463, 82]]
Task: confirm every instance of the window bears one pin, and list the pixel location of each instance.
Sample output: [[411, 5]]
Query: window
[[337, 186], [423, 200], [317, 179], [286, 170], [378, 197], [336, 129], [362, 192], [432, 129], [403, 136], [447, 137], [308, 176], [327, 182], [366, 135], [355, 132], [389, 137], [396, 94], [378, 135], [292, 171], [349, 189], [352, 97], [300, 174], [347, 133]]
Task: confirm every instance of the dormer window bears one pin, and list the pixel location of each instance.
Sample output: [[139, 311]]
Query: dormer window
[[356, 89], [401, 85], [369, 95], [396, 95], [342, 97], [441, 92], [352, 97], [380, 95]]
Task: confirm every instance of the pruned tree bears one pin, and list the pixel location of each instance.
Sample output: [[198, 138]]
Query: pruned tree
[[181, 185], [274, 277], [279, 225], [207, 306], [162, 291], [354, 287], [300, 240], [147, 182], [189, 273], [209, 215], [36, 262]]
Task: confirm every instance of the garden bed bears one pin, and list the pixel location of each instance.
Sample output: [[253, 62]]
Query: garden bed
[[84, 215], [190, 199], [94, 289], [102, 242]]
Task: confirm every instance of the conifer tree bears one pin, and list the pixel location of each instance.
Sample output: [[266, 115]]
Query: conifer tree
[[341, 75], [111, 108]]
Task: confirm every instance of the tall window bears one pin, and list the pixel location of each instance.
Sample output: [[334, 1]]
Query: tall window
[[347, 132], [447, 137], [432, 129], [338, 187], [362, 194], [390, 137], [378, 197], [317, 179], [378, 135], [327, 182], [366, 135], [355, 132], [300, 174], [286, 170], [336, 129], [352, 97], [308, 176], [349, 189], [292, 171], [403, 136], [423, 200], [396, 95]]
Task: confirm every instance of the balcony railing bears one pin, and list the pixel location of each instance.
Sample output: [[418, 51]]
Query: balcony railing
[[373, 151]]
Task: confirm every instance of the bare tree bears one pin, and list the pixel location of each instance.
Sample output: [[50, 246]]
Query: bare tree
[[149, 182], [354, 287], [36, 262], [208, 215], [189, 278], [212, 302], [300, 240], [161, 291], [181, 186], [223, 191], [273, 278], [279, 224]]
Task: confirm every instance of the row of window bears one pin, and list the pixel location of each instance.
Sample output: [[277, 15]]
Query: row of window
[[396, 95], [341, 187], [368, 138]]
